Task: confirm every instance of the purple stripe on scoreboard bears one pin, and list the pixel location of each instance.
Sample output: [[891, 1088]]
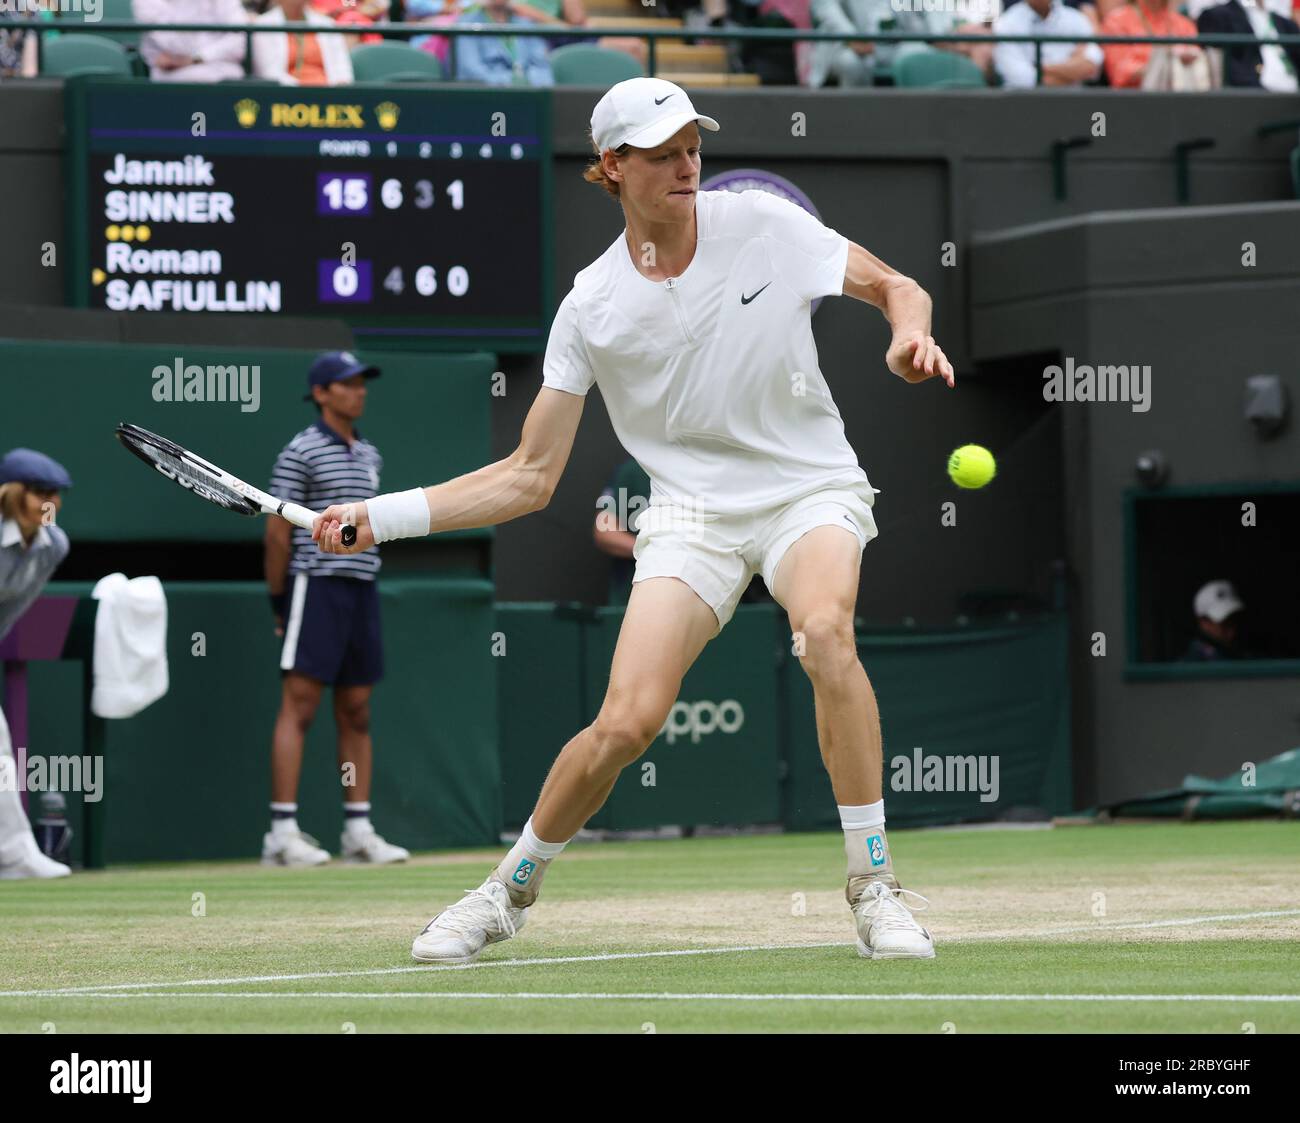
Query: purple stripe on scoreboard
[[337, 283], [344, 193]]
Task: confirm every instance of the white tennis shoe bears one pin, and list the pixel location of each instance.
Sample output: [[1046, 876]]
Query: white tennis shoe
[[886, 927], [32, 863], [371, 849], [296, 849], [460, 933]]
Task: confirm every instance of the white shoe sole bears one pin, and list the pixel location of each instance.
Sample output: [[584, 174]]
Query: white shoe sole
[[870, 953], [30, 875], [458, 960], [448, 961], [293, 865], [352, 860]]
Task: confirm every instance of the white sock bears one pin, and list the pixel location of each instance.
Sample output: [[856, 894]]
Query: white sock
[[523, 867], [866, 847], [284, 819], [356, 820]]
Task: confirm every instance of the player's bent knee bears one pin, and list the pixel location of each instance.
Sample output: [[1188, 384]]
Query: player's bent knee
[[827, 643], [621, 738]]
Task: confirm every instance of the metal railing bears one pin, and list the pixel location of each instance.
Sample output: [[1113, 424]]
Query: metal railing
[[650, 35]]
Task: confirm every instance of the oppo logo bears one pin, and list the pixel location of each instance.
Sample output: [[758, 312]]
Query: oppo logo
[[700, 718]]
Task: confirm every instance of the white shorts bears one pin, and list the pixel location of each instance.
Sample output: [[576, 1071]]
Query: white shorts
[[718, 555]]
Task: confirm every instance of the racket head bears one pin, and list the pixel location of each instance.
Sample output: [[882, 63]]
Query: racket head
[[185, 468]]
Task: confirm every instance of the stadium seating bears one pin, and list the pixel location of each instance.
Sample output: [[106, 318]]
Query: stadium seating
[[120, 10], [394, 62], [937, 69], [698, 58], [687, 79], [581, 65], [616, 25], [71, 55]]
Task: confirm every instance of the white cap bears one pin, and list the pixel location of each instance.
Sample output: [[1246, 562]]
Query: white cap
[[643, 112], [1218, 600]]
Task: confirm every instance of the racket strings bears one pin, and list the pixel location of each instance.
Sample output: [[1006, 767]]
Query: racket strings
[[200, 482]]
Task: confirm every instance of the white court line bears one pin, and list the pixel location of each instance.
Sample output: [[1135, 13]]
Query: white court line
[[428, 967], [598, 996], [542, 961]]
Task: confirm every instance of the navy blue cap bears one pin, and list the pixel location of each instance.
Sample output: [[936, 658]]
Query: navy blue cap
[[28, 466], [330, 366]]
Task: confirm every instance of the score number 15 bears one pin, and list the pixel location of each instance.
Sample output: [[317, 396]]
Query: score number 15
[[344, 194]]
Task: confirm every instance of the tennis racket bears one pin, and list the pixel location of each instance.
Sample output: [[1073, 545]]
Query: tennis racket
[[209, 482]]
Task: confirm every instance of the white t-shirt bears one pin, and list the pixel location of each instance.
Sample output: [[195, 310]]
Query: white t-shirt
[[711, 378]]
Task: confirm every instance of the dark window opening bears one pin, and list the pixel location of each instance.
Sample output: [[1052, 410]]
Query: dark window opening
[[1181, 543]]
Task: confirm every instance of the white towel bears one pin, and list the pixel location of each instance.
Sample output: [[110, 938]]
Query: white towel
[[130, 645]]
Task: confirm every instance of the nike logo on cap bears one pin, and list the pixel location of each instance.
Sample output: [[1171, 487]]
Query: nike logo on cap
[[746, 299], [661, 100]]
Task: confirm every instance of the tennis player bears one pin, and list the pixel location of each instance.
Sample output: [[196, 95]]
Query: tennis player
[[696, 325]]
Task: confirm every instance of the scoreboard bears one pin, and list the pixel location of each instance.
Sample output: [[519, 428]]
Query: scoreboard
[[416, 214]]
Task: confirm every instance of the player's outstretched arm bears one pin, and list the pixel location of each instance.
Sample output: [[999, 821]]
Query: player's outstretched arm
[[913, 354], [518, 485]]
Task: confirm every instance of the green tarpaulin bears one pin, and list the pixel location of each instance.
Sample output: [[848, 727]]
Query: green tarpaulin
[[1271, 788]]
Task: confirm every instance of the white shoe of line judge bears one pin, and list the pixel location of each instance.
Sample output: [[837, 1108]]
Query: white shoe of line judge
[[20, 857]]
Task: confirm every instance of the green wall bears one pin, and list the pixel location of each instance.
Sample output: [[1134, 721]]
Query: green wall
[[997, 693], [430, 417], [189, 776]]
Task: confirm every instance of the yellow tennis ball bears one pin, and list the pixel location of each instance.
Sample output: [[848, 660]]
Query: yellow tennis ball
[[971, 466]]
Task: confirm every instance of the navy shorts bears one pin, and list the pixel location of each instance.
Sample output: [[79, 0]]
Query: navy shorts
[[332, 632]]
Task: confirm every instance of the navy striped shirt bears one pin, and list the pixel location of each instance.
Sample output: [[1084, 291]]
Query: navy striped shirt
[[318, 468]]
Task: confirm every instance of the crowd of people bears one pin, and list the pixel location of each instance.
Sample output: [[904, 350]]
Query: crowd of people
[[301, 56]]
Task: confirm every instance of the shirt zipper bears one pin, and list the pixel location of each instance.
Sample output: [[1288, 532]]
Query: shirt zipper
[[671, 285]]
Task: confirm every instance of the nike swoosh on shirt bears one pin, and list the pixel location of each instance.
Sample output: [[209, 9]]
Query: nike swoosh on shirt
[[743, 298], [661, 100]]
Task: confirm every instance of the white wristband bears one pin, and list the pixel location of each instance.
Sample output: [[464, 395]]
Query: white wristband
[[399, 514]]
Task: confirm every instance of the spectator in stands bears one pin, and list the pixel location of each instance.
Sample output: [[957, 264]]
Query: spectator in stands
[[622, 501], [501, 60], [570, 13], [1141, 65], [32, 547], [1218, 624], [847, 64], [1064, 64], [778, 64], [1083, 6], [1267, 66], [573, 13], [1192, 9], [435, 13], [361, 13], [192, 56], [18, 44], [966, 17], [301, 57]]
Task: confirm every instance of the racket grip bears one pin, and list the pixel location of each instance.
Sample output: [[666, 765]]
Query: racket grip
[[349, 535]]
